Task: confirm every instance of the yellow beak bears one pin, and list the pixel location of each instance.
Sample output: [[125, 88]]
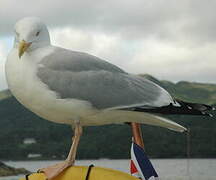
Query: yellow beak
[[23, 46]]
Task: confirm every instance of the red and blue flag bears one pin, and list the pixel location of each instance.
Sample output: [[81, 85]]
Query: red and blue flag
[[140, 165]]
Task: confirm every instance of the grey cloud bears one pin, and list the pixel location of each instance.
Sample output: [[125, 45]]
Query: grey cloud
[[130, 19]]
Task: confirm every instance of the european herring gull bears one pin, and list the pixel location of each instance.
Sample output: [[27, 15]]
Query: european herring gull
[[80, 89]]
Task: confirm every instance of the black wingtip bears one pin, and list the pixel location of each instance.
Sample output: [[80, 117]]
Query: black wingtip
[[183, 108], [207, 114]]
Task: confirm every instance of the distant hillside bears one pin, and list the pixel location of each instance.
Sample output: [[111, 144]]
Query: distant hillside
[[188, 91], [52, 140]]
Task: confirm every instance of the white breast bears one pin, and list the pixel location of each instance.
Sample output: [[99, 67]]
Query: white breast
[[36, 96]]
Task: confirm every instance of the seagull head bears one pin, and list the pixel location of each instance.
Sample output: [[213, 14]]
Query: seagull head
[[30, 34]]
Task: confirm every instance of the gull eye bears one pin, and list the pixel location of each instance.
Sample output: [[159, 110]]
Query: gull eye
[[37, 33]]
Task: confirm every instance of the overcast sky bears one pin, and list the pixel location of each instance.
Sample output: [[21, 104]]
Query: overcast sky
[[169, 39]]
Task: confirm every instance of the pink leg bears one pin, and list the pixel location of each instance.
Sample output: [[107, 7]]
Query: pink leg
[[55, 170]]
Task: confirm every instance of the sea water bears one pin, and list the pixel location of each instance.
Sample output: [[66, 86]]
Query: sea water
[[167, 169]]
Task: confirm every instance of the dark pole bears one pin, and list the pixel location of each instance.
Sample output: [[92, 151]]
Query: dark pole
[[188, 143], [188, 151]]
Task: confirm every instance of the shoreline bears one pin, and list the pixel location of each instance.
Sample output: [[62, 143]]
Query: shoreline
[[6, 170]]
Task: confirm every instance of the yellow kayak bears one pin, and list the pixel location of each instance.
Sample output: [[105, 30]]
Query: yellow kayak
[[85, 173]]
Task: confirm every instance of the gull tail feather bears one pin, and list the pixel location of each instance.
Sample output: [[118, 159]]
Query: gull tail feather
[[166, 123], [119, 117]]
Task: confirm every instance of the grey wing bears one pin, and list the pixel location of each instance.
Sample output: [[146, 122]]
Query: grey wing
[[104, 86], [67, 60]]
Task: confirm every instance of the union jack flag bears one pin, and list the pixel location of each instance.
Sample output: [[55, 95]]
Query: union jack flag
[[140, 165]]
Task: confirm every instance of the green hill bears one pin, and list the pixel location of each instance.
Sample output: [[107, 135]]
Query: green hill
[[189, 91], [113, 141]]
